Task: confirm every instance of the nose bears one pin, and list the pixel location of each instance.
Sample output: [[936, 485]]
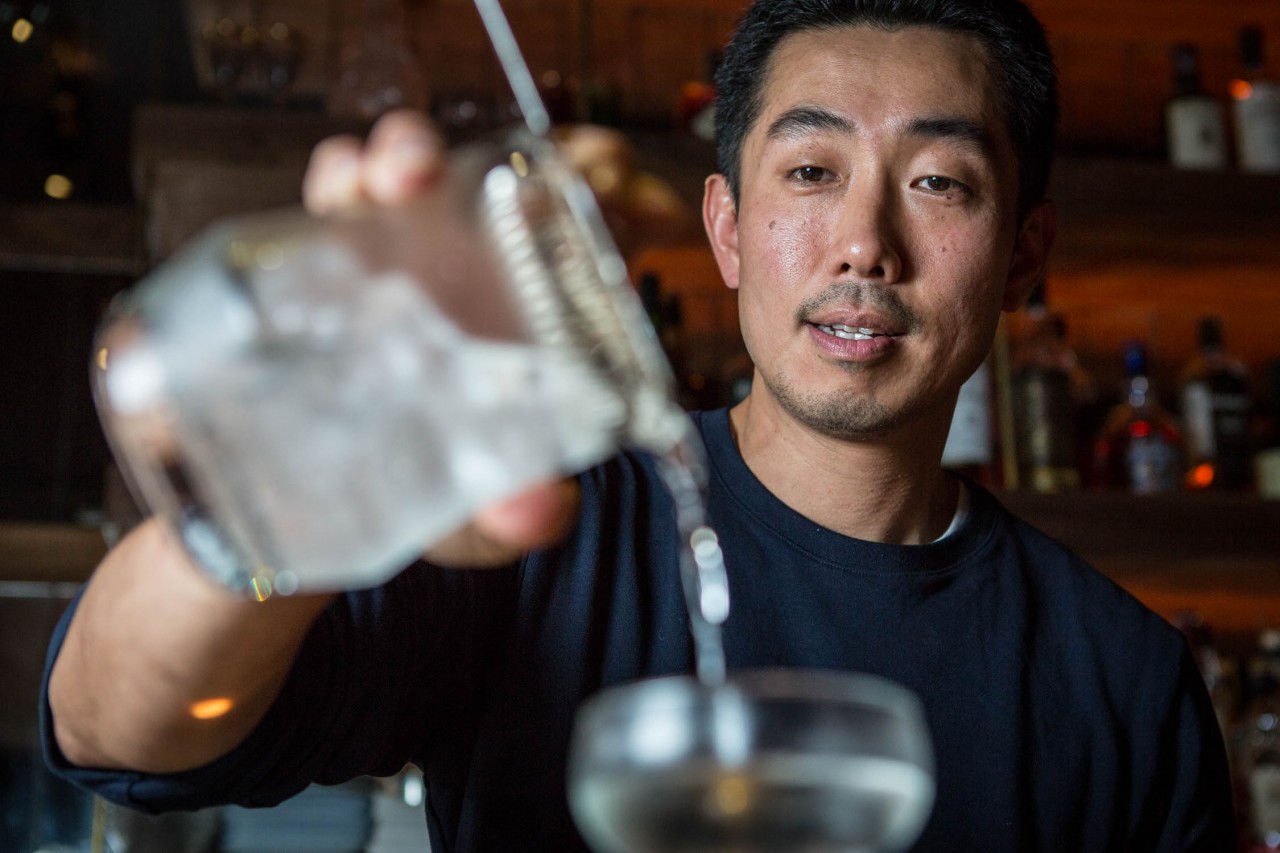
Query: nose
[[868, 244]]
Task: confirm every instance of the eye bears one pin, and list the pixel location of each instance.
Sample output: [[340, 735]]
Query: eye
[[941, 185], [809, 174]]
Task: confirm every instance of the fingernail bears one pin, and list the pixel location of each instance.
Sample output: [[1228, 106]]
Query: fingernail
[[345, 173], [413, 154]]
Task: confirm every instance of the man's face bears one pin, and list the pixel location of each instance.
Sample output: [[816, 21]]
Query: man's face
[[875, 239]]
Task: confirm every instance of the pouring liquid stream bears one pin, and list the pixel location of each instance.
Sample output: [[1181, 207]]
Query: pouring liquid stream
[[702, 571], [703, 577]]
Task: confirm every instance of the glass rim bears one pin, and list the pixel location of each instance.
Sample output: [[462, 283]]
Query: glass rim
[[823, 686]]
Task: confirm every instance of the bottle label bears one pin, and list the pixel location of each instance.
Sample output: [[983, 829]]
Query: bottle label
[[969, 441], [1197, 133], [1264, 798], [1153, 465], [1045, 430], [1197, 416], [1258, 128], [1267, 471]]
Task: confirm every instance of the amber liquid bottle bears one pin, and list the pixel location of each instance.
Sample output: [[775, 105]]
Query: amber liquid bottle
[[1047, 390], [1140, 447]]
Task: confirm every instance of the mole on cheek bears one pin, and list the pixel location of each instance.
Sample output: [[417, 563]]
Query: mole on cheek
[[772, 223]]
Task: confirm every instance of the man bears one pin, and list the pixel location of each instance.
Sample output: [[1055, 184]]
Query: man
[[881, 200]]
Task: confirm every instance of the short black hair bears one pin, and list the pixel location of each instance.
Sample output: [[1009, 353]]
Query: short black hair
[[1018, 53]]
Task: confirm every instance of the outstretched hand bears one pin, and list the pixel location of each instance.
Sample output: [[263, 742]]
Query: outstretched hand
[[404, 157]]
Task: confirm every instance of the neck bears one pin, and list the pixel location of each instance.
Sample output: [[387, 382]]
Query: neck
[[890, 489]]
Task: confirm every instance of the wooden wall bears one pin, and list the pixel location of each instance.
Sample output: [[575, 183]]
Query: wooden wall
[[1113, 54], [1131, 275]]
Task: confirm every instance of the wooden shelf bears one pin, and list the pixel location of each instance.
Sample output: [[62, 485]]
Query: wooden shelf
[[48, 553], [1215, 554]]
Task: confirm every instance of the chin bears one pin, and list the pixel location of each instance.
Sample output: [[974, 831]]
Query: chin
[[840, 415]]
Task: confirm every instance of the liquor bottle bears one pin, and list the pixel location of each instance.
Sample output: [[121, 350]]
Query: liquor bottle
[[1139, 448], [1220, 673], [1266, 462], [1215, 414], [1195, 122], [1257, 746], [1047, 385], [696, 108], [1257, 107], [970, 447]]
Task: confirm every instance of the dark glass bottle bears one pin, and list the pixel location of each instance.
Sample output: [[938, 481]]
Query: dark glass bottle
[[1195, 122], [1257, 747], [1266, 461], [1216, 410], [1256, 100], [1140, 448], [1045, 394]]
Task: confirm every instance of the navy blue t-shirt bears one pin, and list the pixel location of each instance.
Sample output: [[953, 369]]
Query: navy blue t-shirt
[[1065, 715]]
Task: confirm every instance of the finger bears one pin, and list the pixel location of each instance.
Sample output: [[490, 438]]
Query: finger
[[504, 532], [404, 155], [333, 177], [535, 518]]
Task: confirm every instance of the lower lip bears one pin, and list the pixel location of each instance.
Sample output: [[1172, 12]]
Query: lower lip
[[845, 349]]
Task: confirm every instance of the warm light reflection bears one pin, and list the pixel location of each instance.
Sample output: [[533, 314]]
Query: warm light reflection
[[1201, 476], [101, 358], [58, 186], [520, 164], [269, 256], [1241, 89], [730, 796], [211, 709], [22, 30]]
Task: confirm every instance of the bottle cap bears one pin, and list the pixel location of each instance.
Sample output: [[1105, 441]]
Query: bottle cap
[[1210, 332], [1135, 358], [1186, 67], [1252, 55]]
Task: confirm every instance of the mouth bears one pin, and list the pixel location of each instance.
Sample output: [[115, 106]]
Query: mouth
[[851, 333]]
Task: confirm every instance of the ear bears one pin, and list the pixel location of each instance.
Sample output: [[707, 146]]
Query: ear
[[720, 218], [1030, 254]]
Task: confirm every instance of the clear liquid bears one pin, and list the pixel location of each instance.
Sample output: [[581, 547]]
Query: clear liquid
[[706, 585], [777, 801]]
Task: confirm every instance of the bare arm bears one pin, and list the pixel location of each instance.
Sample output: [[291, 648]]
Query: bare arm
[[162, 671]]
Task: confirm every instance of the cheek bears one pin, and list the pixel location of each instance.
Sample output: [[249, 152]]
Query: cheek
[[782, 249]]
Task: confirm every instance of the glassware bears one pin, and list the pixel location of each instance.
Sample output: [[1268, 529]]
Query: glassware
[[1140, 447], [1047, 385], [312, 402], [380, 71], [769, 760], [1216, 414]]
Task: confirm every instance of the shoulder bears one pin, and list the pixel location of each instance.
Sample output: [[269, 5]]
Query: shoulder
[[1080, 611]]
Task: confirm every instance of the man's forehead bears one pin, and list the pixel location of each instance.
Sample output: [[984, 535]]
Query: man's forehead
[[958, 64]]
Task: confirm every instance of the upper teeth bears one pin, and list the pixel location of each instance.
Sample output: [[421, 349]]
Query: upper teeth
[[850, 334]]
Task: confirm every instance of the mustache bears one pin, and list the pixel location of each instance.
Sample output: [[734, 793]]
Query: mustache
[[857, 294]]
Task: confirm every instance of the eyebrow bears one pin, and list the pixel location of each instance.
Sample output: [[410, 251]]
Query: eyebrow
[[798, 121], [962, 130]]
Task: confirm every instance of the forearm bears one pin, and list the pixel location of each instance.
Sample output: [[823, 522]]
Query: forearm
[[160, 670]]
